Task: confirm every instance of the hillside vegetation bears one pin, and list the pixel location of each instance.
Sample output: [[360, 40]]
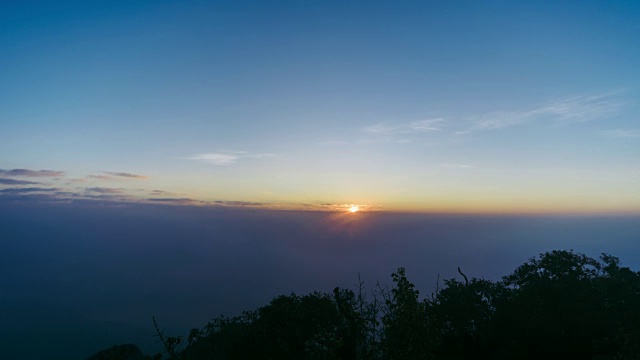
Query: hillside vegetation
[[559, 303]]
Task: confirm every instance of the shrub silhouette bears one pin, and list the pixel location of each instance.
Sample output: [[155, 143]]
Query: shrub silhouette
[[560, 303]]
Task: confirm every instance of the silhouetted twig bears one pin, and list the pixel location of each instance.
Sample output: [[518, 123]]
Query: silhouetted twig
[[466, 281]]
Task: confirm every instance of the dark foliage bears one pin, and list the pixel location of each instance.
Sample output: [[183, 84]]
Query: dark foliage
[[560, 304]]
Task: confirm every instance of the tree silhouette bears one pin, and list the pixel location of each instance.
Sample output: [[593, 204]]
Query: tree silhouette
[[561, 303]]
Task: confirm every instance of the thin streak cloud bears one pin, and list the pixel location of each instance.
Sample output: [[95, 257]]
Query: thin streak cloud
[[109, 175], [160, 192], [126, 175], [427, 125], [228, 157], [103, 190], [31, 173], [238, 203], [420, 126], [27, 190], [100, 177], [5, 181], [171, 200], [568, 110]]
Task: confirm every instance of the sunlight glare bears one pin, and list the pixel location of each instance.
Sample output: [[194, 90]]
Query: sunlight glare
[[354, 208]]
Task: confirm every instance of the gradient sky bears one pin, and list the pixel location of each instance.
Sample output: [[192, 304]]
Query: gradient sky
[[465, 106]]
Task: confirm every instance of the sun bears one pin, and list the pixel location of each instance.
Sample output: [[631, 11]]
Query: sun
[[354, 208]]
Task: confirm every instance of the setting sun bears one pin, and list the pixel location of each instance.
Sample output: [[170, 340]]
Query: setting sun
[[354, 208]]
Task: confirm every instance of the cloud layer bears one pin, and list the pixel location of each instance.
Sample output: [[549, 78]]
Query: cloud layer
[[567, 110], [228, 157], [125, 175], [103, 190], [5, 181], [420, 126], [31, 173]]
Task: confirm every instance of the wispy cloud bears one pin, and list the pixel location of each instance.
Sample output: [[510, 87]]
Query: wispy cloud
[[5, 181], [171, 200], [216, 158], [112, 197], [100, 177], [32, 173], [427, 125], [622, 133], [584, 108], [160, 192], [104, 190], [237, 203], [125, 175], [228, 157], [567, 110], [109, 175], [420, 126]]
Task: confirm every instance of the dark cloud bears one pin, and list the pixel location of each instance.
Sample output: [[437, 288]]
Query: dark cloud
[[171, 200], [126, 175], [31, 173], [238, 203], [65, 193], [104, 197], [103, 190], [27, 190], [29, 198], [5, 181]]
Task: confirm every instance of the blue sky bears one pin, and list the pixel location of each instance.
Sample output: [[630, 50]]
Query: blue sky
[[408, 106]]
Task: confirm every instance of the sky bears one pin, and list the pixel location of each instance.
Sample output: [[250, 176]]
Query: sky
[[185, 159], [426, 106]]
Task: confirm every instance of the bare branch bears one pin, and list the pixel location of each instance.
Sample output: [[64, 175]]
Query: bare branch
[[466, 281]]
